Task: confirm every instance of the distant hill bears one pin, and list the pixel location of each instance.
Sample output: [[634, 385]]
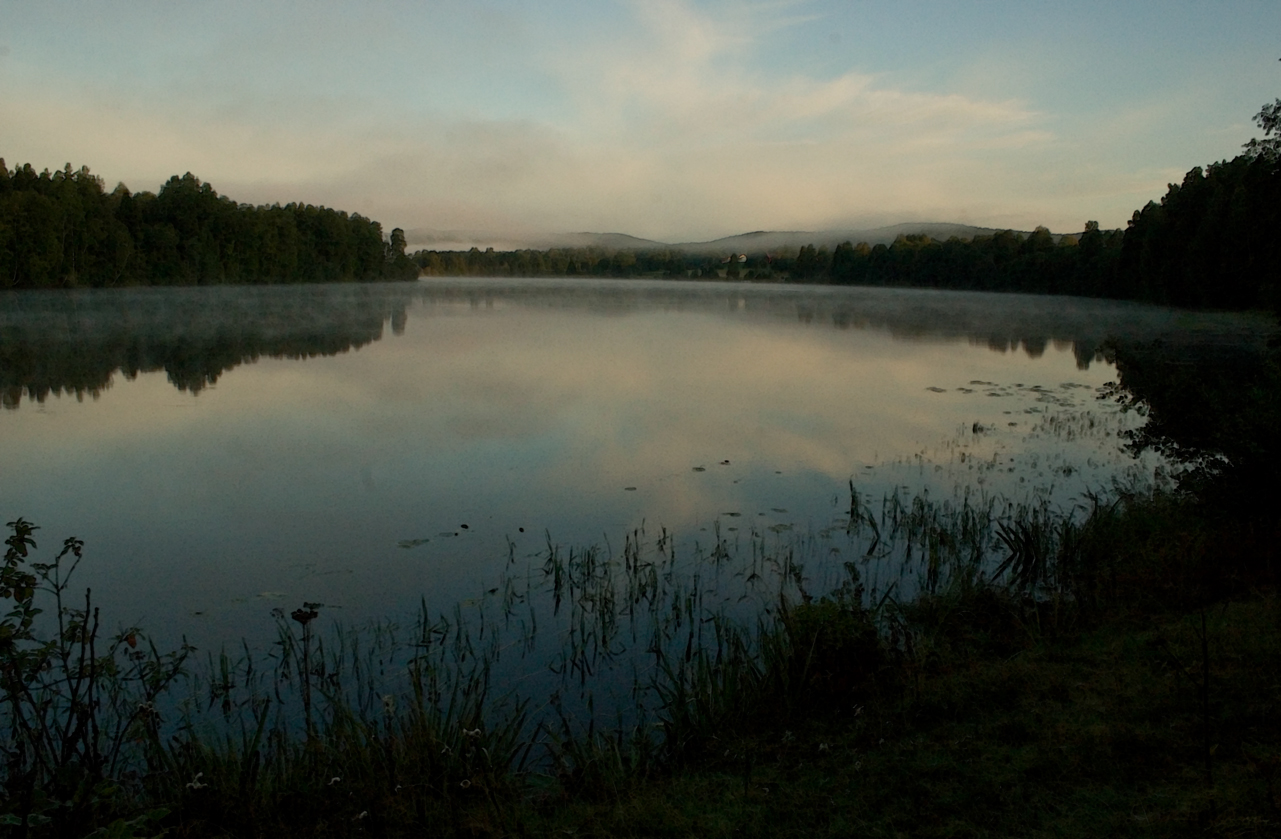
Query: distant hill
[[762, 241], [461, 240], [755, 243], [613, 241], [766, 241]]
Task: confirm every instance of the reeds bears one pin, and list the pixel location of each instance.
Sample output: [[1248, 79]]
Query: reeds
[[582, 669]]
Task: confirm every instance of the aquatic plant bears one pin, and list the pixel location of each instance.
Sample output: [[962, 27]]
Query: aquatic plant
[[79, 711], [582, 673]]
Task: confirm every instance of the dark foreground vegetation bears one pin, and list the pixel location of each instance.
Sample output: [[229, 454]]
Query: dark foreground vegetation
[[1211, 241], [1109, 673], [63, 229]]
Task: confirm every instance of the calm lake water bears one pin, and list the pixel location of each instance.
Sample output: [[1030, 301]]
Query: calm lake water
[[224, 451]]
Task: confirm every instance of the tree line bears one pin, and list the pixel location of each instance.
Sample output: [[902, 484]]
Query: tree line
[[64, 229], [1211, 241], [1002, 261]]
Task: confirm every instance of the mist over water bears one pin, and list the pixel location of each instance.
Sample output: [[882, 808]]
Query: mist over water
[[225, 451]]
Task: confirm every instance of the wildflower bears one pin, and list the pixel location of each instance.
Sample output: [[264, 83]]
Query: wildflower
[[304, 616], [335, 779], [195, 782], [464, 783], [363, 813], [475, 732]]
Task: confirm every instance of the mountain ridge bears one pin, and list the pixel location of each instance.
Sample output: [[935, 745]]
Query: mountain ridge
[[755, 242]]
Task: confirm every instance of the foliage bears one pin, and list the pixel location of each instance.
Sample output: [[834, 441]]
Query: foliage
[[343, 735], [75, 716], [1269, 119], [1095, 734], [1209, 242], [63, 229], [1217, 413], [1002, 261]]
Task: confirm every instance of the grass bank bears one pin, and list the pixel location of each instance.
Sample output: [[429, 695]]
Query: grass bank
[[1114, 672], [1102, 733]]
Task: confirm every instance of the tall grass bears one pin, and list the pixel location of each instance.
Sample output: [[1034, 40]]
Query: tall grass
[[583, 672]]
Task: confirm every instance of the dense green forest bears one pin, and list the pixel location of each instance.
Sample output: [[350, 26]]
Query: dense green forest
[[63, 229], [1212, 240]]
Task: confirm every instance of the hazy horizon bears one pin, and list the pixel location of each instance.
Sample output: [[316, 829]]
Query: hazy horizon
[[456, 240], [671, 120]]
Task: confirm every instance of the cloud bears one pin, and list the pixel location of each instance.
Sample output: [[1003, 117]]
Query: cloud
[[681, 109], [666, 119]]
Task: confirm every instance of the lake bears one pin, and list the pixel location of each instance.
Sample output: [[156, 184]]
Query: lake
[[227, 451]]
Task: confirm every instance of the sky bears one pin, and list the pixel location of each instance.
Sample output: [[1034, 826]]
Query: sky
[[501, 121]]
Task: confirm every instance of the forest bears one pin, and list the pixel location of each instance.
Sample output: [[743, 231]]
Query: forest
[[63, 229], [1211, 241]]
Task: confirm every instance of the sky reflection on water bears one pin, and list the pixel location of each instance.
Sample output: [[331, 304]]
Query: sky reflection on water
[[506, 414]]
